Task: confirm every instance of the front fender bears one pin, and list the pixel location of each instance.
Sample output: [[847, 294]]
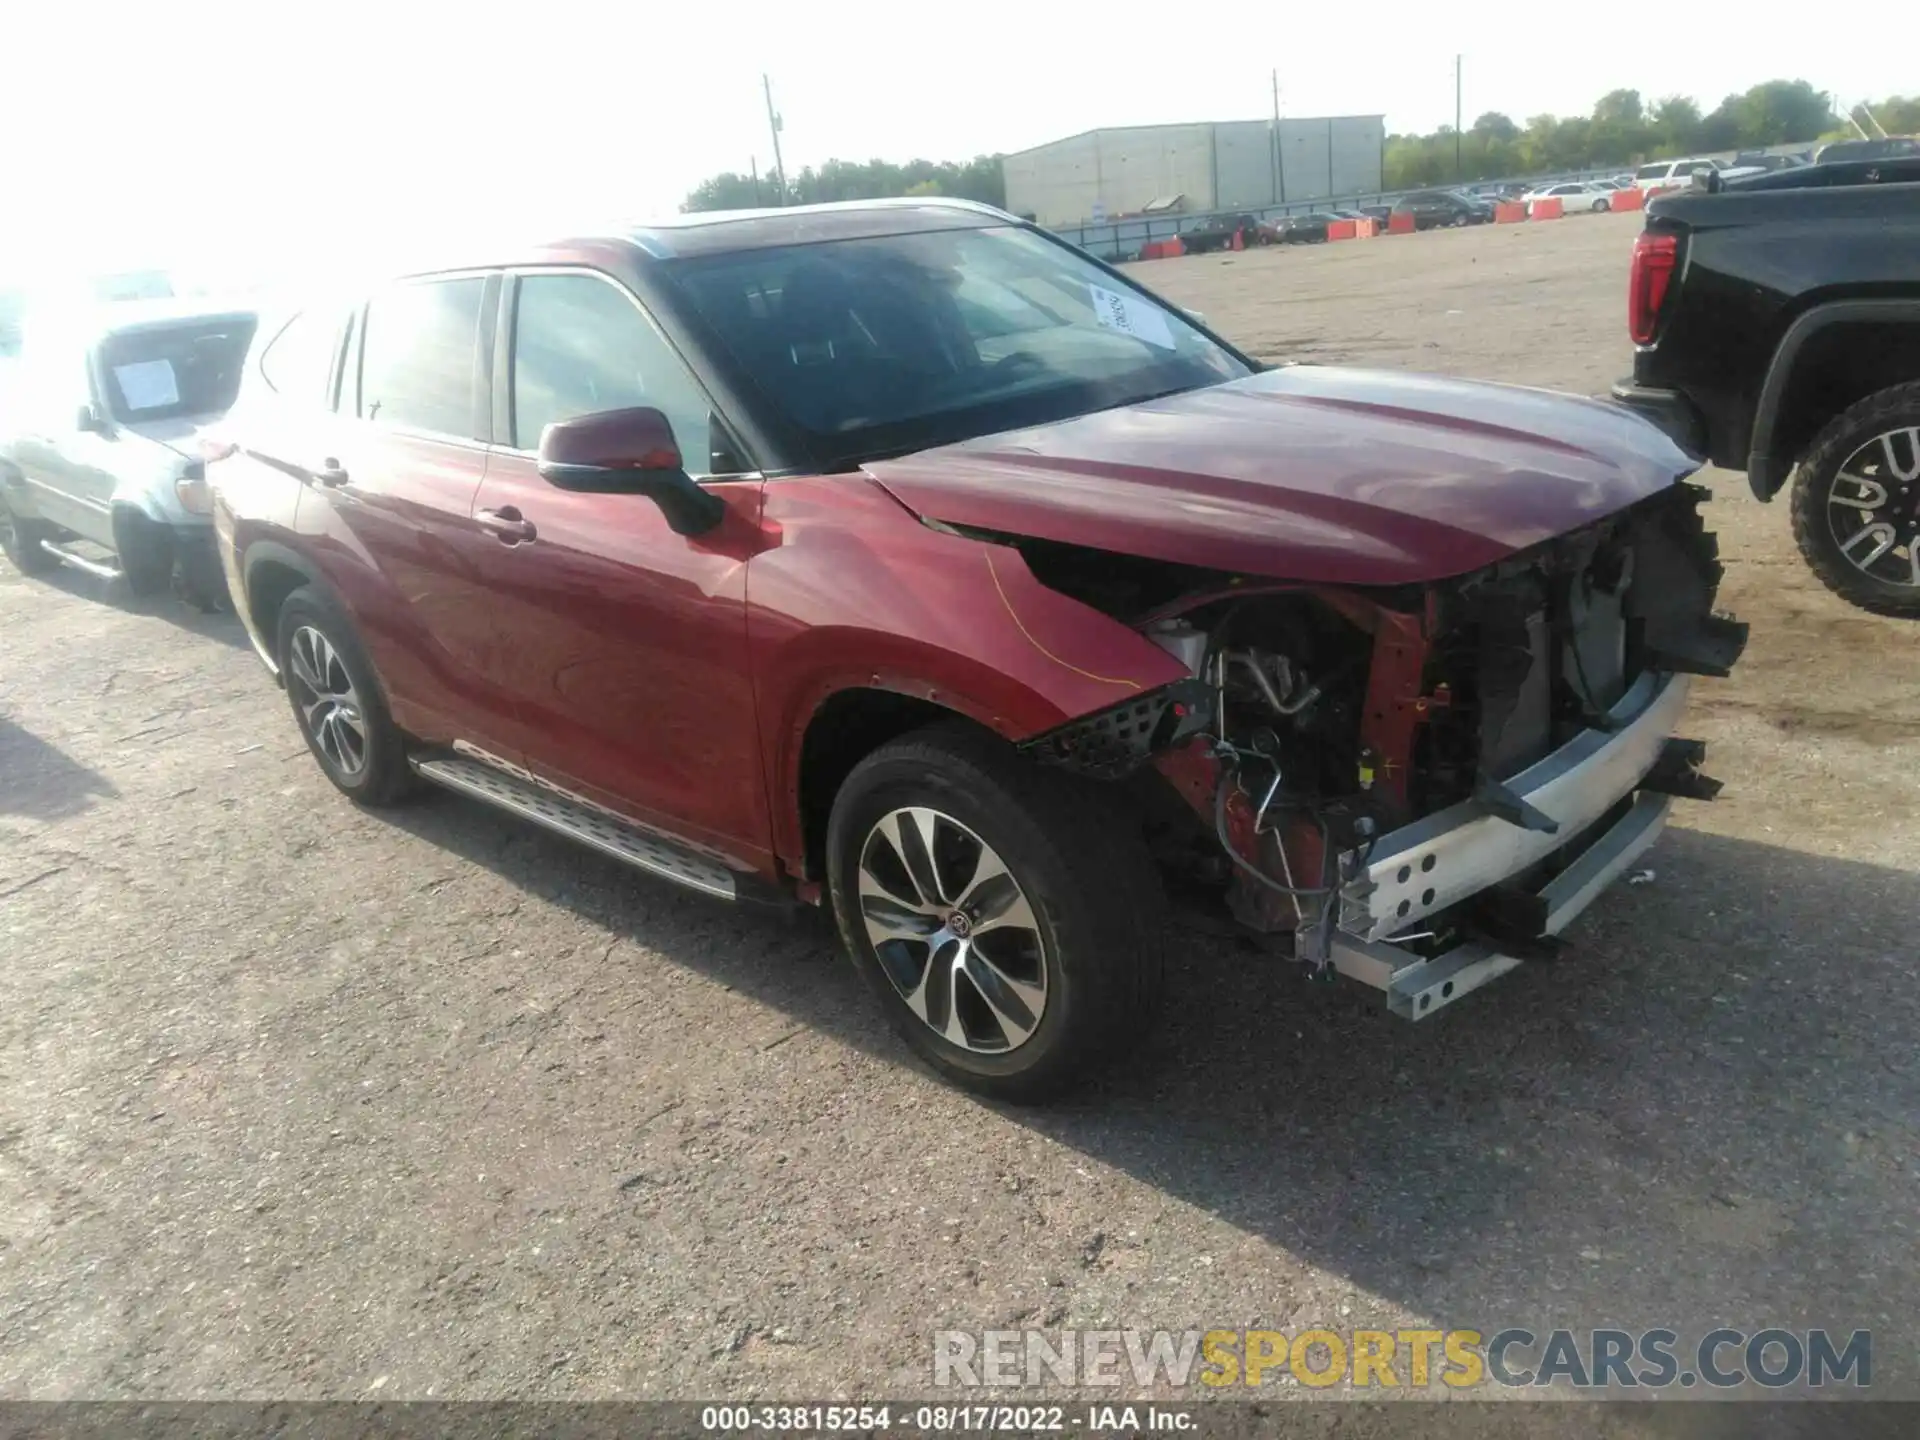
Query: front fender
[[856, 593], [144, 476]]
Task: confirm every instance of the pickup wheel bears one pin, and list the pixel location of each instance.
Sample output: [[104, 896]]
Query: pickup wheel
[[337, 702], [1856, 503], [1007, 920], [20, 538]]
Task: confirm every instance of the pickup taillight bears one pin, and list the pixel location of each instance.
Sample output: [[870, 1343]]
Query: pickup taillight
[[1654, 258]]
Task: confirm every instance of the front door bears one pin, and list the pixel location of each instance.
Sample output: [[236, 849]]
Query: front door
[[624, 643]]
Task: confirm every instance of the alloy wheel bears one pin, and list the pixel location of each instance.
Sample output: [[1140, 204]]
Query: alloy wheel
[[953, 930], [1873, 508], [329, 705]]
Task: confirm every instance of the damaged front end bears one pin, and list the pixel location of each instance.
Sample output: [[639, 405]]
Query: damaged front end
[[1424, 786]]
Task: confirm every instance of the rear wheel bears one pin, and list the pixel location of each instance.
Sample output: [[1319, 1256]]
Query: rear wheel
[[1856, 503], [1601, 206], [20, 539], [1006, 920], [337, 702]]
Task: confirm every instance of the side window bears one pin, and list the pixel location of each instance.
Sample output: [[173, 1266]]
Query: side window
[[417, 356], [298, 362], [582, 345]]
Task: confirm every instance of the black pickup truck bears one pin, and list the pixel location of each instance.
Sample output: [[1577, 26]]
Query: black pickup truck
[[1776, 325]]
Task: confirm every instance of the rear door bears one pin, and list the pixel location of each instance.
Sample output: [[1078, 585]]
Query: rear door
[[624, 643], [391, 477]]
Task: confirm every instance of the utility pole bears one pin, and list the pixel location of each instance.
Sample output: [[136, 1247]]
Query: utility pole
[[773, 124], [1458, 169], [754, 163], [1279, 155]]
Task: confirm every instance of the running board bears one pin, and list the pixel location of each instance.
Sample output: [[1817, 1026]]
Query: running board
[[92, 567], [577, 820]]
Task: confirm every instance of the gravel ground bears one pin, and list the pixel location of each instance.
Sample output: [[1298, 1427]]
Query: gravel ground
[[297, 1101]]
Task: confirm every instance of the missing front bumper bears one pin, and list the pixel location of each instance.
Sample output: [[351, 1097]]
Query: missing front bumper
[[1417, 985], [1456, 853], [1562, 803]]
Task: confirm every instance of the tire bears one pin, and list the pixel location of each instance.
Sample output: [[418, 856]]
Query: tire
[[1600, 207], [20, 540], [145, 553], [1090, 963], [337, 702], [1877, 440]]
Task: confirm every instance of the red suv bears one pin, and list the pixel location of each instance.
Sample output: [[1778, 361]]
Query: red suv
[[902, 557]]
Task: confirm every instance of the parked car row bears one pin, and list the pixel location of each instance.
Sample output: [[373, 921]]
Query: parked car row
[[898, 557]]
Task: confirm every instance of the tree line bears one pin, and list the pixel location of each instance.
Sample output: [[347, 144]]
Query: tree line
[[977, 179], [1623, 129]]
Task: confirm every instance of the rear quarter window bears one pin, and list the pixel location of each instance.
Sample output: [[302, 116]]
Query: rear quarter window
[[298, 362]]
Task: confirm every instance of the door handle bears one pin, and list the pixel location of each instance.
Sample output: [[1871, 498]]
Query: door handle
[[507, 523], [330, 474]]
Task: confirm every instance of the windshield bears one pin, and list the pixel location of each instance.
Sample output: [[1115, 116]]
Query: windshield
[[882, 345], [166, 372]]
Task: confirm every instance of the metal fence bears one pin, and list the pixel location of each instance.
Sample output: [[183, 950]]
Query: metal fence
[[1122, 239]]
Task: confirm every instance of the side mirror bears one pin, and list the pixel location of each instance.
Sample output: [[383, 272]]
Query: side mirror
[[90, 421], [1197, 316], [628, 452]]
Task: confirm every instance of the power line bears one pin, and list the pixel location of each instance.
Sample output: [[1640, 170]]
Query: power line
[[774, 125]]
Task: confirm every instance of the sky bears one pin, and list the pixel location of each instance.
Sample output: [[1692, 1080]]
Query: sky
[[215, 135]]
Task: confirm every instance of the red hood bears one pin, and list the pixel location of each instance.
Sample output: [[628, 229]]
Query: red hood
[[1356, 477]]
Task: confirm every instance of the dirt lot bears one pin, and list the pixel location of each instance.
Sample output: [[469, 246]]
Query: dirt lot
[[297, 1101]]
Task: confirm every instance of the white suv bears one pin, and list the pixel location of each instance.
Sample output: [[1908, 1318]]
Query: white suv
[[1669, 174], [100, 423]]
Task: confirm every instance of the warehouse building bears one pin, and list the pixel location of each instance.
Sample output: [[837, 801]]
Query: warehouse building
[[1201, 167]]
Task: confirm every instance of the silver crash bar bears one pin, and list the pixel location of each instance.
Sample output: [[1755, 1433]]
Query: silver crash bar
[[1457, 852]]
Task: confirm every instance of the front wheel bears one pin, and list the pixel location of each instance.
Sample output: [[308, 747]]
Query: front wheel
[[1601, 207], [337, 702], [145, 549], [1007, 922], [1856, 503]]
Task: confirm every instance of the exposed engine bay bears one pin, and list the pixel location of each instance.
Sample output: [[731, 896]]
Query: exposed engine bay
[[1319, 723]]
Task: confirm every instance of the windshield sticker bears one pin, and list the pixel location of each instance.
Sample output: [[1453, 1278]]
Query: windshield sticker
[[147, 384], [1130, 316]]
